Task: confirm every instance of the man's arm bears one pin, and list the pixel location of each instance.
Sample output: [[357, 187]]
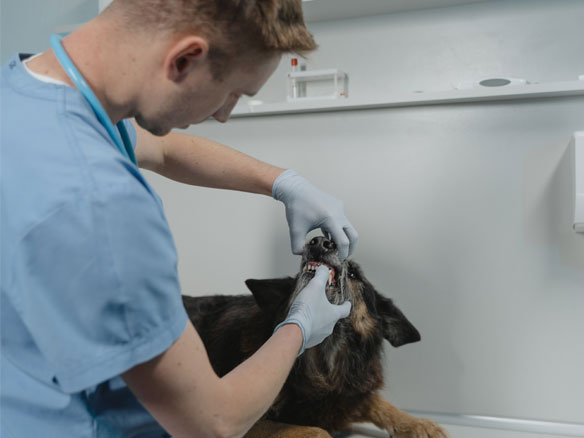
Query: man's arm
[[198, 161], [181, 390], [202, 162]]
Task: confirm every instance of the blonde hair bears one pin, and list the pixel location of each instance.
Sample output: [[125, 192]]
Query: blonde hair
[[233, 27]]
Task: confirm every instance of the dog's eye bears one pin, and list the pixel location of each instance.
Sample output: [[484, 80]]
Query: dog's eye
[[352, 275]]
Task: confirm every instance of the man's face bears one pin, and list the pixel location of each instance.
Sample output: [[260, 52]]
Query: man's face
[[199, 96]]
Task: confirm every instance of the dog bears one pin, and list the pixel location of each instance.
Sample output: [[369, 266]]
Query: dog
[[333, 385]]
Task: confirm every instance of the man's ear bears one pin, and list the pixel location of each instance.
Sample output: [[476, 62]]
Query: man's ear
[[271, 293], [397, 329], [184, 55]]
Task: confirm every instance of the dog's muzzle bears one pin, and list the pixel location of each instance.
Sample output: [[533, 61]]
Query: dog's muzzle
[[322, 251]]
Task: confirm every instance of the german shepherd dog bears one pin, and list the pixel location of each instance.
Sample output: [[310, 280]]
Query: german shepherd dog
[[332, 385]]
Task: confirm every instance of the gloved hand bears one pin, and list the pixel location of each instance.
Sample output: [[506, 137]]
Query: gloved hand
[[313, 313], [308, 208]]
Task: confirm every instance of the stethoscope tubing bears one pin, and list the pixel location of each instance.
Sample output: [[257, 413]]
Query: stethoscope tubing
[[120, 136]]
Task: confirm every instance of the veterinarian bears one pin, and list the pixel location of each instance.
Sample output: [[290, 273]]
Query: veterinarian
[[95, 340]]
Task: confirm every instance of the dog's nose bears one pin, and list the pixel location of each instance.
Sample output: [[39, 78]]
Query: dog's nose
[[323, 244]]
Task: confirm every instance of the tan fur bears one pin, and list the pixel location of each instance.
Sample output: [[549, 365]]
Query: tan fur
[[376, 410], [271, 429], [362, 321]]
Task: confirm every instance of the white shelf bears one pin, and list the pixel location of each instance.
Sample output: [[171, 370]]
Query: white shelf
[[529, 91]]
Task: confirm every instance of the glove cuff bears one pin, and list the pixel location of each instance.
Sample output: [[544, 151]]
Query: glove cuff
[[299, 324], [277, 192]]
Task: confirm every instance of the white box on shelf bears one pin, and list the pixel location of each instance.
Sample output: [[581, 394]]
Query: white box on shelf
[[578, 155], [317, 85]]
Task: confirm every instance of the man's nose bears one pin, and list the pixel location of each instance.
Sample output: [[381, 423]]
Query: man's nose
[[322, 245]]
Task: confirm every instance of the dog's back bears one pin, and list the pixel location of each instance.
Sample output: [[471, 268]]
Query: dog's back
[[232, 328]]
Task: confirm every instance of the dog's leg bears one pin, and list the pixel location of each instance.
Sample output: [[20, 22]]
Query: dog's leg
[[398, 424], [271, 429]]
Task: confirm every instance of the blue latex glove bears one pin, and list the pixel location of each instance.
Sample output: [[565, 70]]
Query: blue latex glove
[[313, 313], [308, 208]]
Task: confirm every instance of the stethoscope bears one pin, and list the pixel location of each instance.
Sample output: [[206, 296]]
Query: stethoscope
[[119, 136]]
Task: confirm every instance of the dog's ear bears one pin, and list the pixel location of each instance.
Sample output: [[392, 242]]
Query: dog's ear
[[271, 293], [396, 327]]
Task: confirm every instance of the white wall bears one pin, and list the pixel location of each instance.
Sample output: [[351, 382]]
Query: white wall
[[26, 25], [431, 50], [463, 210]]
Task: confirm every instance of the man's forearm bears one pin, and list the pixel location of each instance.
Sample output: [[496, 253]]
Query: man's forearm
[[202, 162], [256, 382], [180, 389]]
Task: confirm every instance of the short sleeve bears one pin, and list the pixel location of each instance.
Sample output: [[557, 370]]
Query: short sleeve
[[99, 286]]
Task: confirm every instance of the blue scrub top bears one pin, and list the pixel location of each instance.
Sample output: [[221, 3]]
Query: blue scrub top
[[89, 283]]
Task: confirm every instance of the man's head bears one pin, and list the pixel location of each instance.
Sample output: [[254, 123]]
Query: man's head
[[210, 53]]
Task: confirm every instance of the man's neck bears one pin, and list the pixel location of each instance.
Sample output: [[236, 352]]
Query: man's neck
[[102, 65]]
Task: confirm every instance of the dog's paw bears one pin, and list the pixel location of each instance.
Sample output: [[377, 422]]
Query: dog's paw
[[303, 432], [418, 428], [272, 429], [315, 432]]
